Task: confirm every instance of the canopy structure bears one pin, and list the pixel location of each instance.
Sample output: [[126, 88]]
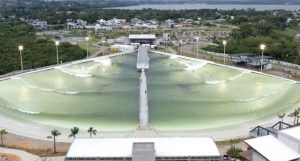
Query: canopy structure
[[143, 39], [142, 36], [272, 149], [122, 148]]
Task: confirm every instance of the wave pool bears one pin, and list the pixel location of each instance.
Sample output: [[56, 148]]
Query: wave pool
[[183, 95]]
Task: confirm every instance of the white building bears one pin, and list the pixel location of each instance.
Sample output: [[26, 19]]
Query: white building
[[291, 137], [143, 39], [122, 48], [143, 149], [75, 24], [39, 25], [286, 147]]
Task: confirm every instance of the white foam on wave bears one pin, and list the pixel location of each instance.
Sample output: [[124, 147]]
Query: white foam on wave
[[76, 73], [46, 89], [24, 111], [239, 75], [215, 81], [262, 96], [104, 61], [190, 65], [173, 57], [16, 78], [68, 92], [229, 79]]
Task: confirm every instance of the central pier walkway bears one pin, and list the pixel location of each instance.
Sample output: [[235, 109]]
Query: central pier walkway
[[142, 58], [143, 64]]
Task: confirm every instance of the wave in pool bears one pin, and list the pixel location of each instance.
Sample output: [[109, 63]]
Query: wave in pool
[[46, 89], [190, 65], [260, 97], [23, 111], [81, 75], [213, 82], [103, 61]]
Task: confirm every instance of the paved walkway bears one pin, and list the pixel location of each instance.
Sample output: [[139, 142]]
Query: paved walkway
[[144, 114], [27, 156]]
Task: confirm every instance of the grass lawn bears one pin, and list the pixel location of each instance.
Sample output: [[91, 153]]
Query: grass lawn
[[92, 49]]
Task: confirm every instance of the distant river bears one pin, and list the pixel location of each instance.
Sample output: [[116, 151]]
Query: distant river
[[210, 6]]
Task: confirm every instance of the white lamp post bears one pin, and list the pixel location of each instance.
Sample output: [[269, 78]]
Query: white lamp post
[[197, 39], [87, 46], [56, 45], [262, 47], [224, 44], [21, 58]]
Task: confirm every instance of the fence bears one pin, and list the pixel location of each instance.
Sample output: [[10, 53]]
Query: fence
[[291, 65]]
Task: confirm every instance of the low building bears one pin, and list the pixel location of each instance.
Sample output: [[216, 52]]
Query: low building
[[284, 147], [291, 137], [122, 48], [39, 25], [144, 149], [143, 39], [75, 24], [257, 62], [240, 58]]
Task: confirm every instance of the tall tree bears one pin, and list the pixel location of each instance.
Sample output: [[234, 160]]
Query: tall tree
[[92, 131], [295, 115], [2, 132], [74, 132], [281, 116], [298, 116], [54, 133]]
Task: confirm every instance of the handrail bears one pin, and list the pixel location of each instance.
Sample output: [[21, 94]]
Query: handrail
[[260, 127]]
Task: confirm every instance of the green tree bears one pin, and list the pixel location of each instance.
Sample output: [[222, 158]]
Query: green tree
[[281, 116], [2, 133], [92, 131], [234, 152], [74, 132], [55, 133], [295, 115]]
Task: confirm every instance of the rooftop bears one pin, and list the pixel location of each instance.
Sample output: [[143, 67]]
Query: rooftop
[[142, 36], [164, 147], [272, 149], [293, 132]]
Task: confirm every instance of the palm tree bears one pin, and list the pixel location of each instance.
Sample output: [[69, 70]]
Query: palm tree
[[295, 115], [74, 132], [2, 132], [54, 133], [298, 116], [92, 131], [281, 116]]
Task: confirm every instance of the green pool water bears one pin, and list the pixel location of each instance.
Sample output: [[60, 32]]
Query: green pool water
[[106, 96]]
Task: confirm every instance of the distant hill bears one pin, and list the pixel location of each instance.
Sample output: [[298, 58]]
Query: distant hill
[[218, 1]]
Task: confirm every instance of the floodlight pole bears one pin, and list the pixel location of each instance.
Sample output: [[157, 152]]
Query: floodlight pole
[[224, 44], [262, 60], [56, 45], [21, 58]]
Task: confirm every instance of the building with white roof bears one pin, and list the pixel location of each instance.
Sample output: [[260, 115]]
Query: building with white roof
[[143, 39], [284, 147], [291, 137], [143, 149]]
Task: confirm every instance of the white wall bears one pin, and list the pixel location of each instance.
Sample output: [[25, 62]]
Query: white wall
[[257, 157], [289, 141]]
